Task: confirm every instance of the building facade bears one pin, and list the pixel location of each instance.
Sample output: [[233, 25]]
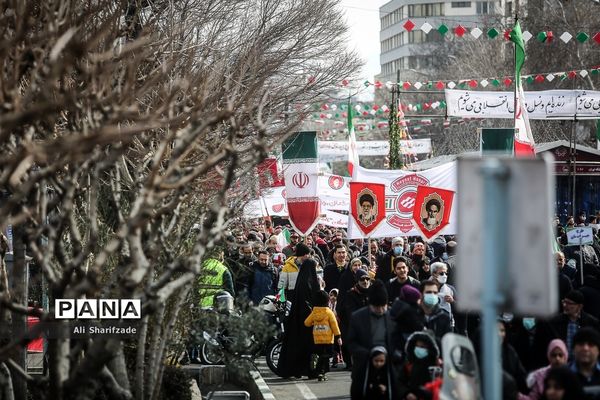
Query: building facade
[[414, 52]]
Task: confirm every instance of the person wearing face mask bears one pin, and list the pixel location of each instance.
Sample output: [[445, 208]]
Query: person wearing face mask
[[385, 270], [421, 353], [447, 293], [433, 316]]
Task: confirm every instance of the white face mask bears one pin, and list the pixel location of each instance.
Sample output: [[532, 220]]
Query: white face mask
[[442, 279]]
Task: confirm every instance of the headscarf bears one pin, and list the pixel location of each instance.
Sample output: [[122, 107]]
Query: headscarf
[[554, 344]]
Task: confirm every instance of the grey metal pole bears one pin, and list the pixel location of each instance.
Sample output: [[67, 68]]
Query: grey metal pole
[[581, 259], [495, 244]]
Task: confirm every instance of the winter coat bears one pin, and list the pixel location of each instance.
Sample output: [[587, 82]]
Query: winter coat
[[261, 283], [438, 321], [591, 295], [331, 275], [385, 267], [414, 374], [360, 339], [324, 323], [289, 274], [407, 318], [394, 286]]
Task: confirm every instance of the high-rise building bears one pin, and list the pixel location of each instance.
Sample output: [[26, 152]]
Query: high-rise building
[[413, 53]]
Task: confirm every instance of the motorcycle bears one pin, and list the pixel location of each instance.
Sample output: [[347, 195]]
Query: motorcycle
[[278, 312], [221, 341]]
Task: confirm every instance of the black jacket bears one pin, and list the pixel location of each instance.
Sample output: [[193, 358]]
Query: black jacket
[[385, 267], [439, 322], [591, 295], [360, 339], [393, 287], [332, 275]]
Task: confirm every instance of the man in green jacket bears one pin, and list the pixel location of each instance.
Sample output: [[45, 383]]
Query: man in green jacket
[[214, 277]]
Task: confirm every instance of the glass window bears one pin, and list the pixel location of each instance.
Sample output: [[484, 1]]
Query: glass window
[[461, 4], [485, 7]]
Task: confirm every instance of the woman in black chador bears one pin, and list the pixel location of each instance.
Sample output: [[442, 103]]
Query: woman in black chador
[[294, 360]]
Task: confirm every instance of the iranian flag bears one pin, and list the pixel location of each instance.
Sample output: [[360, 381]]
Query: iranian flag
[[523, 137], [301, 170], [352, 150]]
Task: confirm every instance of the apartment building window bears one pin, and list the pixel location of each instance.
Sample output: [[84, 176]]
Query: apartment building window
[[393, 17], [461, 4], [485, 7], [426, 10], [416, 37]]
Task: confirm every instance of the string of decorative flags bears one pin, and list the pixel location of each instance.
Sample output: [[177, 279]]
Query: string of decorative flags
[[331, 111], [441, 84], [461, 31], [414, 124]]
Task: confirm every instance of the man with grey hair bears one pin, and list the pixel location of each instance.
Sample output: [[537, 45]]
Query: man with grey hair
[[385, 271], [446, 292]]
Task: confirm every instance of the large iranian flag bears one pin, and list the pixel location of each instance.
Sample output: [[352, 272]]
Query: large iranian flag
[[301, 172], [523, 137]]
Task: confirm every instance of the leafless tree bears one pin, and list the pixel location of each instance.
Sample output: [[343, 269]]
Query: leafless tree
[[122, 124]]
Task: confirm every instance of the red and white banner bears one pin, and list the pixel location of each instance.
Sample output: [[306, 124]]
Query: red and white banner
[[301, 172], [400, 195], [432, 209], [367, 202]]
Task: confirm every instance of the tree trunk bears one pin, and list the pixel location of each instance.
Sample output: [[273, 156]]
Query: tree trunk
[[19, 278]]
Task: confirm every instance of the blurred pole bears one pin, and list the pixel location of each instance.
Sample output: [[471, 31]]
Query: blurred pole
[[495, 177]]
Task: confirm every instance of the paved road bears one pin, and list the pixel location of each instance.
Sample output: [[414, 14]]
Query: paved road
[[337, 386]]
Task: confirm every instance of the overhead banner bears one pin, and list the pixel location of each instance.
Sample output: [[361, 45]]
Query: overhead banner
[[400, 197], [333, 219], [333, 191], [301, 171], [546, 104], [256, 209], [367, 201], [338, 150], [432, 210]]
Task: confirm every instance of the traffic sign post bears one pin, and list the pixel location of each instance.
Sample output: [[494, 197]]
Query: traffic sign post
[[505, 207]]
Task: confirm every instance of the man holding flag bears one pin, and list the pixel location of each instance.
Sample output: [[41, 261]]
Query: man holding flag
[[523, 138]]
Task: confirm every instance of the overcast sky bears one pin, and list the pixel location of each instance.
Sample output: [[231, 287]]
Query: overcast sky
[[363, 19]]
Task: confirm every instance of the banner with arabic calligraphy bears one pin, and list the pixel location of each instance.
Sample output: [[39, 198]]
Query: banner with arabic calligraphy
[[546, 104], [330, 150]]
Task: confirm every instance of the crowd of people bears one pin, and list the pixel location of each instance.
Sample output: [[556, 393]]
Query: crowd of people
[[380, 309]]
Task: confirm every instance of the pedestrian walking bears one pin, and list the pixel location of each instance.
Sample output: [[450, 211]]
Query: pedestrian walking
[[325, 331]]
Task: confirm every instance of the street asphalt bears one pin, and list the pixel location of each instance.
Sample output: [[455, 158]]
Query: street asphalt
[[337, 386]]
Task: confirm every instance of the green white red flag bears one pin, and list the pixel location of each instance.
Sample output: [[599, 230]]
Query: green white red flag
[[523, 137], [301, 172]]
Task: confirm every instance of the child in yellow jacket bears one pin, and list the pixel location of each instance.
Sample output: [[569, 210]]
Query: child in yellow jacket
[[325, 332]]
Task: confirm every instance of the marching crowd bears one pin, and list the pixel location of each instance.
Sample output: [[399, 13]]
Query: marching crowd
[[380, 309]]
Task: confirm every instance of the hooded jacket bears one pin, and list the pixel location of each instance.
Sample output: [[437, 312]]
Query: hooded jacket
[[324, 323], [289, 274], [415, 372]]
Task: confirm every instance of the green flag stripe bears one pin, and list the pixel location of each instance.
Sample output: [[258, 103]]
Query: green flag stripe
[[301, 146], [350, 116], [516, 36]]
